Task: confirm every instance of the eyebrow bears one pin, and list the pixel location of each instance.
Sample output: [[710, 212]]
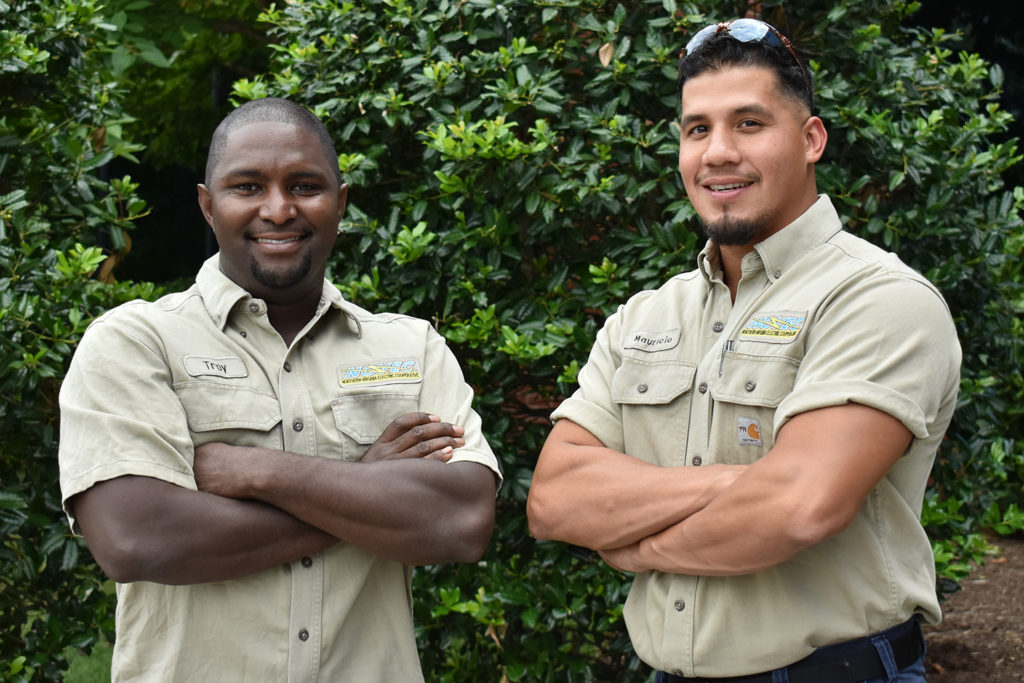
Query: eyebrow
[[757, 109], [256, 173]]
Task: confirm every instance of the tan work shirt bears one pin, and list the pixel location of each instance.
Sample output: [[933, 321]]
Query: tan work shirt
[[682, 376], [152, 381]]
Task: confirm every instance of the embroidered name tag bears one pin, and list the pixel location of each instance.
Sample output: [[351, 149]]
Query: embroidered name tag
[[643, 340], [387, 371], [231, 367], [749, 430], [774, 327]]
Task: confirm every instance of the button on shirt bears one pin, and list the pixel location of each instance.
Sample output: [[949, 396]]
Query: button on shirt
[[821, 318], [152, 381]]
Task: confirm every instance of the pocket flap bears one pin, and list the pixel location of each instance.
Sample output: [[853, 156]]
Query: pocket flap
[[209, 406], [755, 380], [363, 417], [651, 382]]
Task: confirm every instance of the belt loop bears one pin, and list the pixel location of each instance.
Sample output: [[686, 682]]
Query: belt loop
[[884, 649], [780, 675]]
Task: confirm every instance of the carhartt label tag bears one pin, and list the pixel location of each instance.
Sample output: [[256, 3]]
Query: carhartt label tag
[[643, 340], [749, 430], [780, 328], [386, 371], [230, 367]]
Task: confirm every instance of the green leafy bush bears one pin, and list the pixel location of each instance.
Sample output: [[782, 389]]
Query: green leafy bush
[[513, 172], [59, 123]]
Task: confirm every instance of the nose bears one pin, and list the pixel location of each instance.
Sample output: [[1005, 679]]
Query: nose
[[278, 206], [721, 149]]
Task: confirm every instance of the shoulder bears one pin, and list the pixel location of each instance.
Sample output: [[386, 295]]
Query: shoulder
[[145, 319], [679, 287]]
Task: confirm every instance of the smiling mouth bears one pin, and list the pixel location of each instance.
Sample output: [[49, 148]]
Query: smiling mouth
[[729, 186], [269, 240]]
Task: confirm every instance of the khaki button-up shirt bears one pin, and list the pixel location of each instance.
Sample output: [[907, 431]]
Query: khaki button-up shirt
[[152, 381], [684, 376]]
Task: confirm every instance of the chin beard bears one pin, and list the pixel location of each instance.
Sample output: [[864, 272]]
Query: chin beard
[[731, 232], [282, 277]]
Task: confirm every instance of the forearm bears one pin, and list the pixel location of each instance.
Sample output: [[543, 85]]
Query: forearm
[[744, 530], [143, 529], [414, 511], [807, 489], [589, 495]]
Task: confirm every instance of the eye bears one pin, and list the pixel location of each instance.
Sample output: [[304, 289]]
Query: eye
[[245, 188], [305, 188], [750, 123], [697, 130]]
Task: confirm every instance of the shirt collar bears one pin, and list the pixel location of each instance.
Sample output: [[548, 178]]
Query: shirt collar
[[775, 255], [221, 296]]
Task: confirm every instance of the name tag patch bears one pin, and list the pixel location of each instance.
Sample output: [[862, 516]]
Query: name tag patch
[[386, 371], [230, 367], [780, 327], [749, 430], [643, 340]]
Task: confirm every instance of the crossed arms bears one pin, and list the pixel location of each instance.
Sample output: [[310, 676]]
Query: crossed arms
[[258, 508], [718, 519]]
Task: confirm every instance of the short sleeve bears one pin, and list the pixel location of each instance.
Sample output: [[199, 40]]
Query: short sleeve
[[446, 394], [591, 405], [887, 342], [119, 413]]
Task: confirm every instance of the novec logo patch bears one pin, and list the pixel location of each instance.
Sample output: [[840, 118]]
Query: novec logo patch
[[388, 371], [773, 327]]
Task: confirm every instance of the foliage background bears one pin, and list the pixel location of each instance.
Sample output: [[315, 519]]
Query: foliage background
[[513, 179]]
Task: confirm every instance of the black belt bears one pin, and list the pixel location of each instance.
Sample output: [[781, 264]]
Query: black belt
[[856, 660]]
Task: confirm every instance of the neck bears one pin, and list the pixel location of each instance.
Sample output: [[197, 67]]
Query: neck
[[288, 315]]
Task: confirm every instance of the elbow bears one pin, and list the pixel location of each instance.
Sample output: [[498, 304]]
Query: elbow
[[472, 534], [121, 557], [540, 517], [813, 523]]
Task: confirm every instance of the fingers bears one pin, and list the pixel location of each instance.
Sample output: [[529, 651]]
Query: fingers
[[417, 435], [403, 423]]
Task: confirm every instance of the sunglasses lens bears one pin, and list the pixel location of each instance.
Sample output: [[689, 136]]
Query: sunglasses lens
[[752, 30], [702, 35], [743, 30]]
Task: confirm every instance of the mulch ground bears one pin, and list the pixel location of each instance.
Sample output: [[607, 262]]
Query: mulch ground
[[981, 637]]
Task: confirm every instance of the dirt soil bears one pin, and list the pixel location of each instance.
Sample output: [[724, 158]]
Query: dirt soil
[[981, 637]]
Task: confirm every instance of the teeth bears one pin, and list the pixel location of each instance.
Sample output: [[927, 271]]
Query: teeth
[[265, 240], [722, 188]]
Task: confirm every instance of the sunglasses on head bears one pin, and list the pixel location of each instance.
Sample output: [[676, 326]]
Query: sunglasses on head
[[746, 31]]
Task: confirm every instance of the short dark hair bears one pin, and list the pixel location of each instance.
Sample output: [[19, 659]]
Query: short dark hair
[[277, 110], [722, 50]]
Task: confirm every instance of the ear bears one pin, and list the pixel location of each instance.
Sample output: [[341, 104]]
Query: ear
[[342, 200], [815, 138], [206, 203]]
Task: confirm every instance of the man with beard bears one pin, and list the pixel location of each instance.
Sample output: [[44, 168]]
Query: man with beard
[[754, 438], [259, 463]]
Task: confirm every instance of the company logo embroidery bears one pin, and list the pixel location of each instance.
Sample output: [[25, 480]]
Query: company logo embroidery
[[643, 340], [749, 430], [390, 371], [231, 367], [774, 326]]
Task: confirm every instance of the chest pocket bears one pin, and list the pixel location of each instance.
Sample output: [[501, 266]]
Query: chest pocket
[[745, 398], [755, 380], [362, 418], [654, 398], [239, 415]]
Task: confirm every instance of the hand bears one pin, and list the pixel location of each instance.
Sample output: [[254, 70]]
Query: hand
[[218, 468], [416, 435], [624, 559]]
